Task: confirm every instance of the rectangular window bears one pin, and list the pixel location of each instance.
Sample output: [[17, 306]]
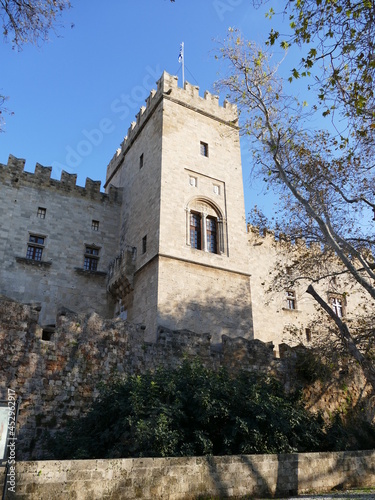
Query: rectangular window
[[211, 235], [35, 247], [290, 299], [195, 231], [144, 244], [337, 306], [204, 149], [91, 259], [95, 225], [41, 213], [141, 161], [308, 334]]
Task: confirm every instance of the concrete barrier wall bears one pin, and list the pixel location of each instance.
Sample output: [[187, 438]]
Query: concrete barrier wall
[[194, 477]]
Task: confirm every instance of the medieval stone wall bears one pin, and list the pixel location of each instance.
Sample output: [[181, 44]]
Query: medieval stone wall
[[260, 476], [273, 319], [58, 379], [66, 225], [204, 299]]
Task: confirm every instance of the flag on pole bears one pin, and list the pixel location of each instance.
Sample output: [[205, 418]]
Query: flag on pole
[[181, 60]]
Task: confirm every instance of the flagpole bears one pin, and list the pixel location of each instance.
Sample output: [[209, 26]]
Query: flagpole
[[181, 59], [183, 63]]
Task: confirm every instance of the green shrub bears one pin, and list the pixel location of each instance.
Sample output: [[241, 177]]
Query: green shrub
[[191, 411], [310, 367]]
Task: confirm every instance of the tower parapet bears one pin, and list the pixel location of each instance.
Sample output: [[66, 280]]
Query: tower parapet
[[167, 88]]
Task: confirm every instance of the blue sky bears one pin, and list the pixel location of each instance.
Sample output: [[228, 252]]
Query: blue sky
[[74, 97]]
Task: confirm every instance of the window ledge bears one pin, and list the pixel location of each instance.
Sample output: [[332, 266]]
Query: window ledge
[[290, 310], [204, 252], [32, 262], [84, 272]]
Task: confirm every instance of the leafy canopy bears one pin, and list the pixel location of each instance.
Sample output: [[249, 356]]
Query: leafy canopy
[[339, 38]]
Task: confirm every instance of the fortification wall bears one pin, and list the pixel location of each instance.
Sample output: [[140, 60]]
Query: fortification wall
[[58, 379], [204, 299], [272, 257], [13, 174], [261, 476], [62, 214]]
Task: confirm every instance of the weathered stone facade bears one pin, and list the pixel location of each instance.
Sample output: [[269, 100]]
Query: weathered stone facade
[[165, 177], [255, 476], [169, 236], [181, 157], [58, 379], [62, 214], [273, 317]]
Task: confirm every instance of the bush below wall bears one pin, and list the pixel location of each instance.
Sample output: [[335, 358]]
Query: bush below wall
[[58, 376]]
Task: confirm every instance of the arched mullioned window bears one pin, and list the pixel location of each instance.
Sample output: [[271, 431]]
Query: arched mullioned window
[[206, 227]]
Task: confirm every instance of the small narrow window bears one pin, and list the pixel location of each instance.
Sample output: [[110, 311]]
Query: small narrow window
[[308, 334], [193, 181], [337, 306], [204, 149], [144, 244], [35, 247], [195, 231], [290, 300], [41, 213], [91, 259], [47, 332], [95, 225], [211, 235], [141, 161]]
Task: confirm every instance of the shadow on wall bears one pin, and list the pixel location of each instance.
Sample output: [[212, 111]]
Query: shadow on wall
[[210, 313], [265, 476], [260, 476], [59, 378]]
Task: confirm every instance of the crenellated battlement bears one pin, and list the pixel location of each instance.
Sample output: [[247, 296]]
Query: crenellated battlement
[[14, 173], [267, 237], [167, 88], [209, 103]]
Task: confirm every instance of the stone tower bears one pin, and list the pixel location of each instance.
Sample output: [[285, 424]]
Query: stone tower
[[184, 255]]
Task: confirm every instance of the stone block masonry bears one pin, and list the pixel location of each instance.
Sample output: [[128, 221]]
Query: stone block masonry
[[180, 167], [166, 246], [63, 220], [58, 379], [195, 477]]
